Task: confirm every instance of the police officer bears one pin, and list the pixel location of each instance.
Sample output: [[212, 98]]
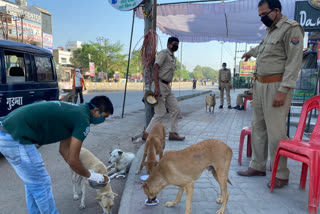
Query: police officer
[[279, 57], [225, 84], [163, 73], [240, 99]]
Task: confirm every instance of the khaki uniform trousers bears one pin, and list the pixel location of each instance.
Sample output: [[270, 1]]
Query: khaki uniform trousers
[[225, 86], [167, 100], [268, 127], [240, 98]]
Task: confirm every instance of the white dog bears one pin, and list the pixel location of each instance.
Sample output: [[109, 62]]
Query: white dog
[[105, 195], [120, 163]]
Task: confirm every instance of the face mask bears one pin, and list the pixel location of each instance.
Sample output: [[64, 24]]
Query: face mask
[[96, 120], [266, 20], [224, 68], [174, 48]]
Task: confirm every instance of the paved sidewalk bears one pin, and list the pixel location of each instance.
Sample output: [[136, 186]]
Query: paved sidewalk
[[247, 195]]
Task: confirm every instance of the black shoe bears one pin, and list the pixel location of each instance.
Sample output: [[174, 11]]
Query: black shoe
[[236, 107], [221, 106], [241, 108], [229, 107]]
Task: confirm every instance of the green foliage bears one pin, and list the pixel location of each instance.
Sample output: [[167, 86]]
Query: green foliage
[[136, 66], [181, 73], [106, 57], [204, 73]]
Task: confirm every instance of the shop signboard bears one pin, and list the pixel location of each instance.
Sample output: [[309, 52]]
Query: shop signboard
[[247, 68], [125, 5]]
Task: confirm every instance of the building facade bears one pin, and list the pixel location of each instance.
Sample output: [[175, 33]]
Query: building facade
[[27, 24]]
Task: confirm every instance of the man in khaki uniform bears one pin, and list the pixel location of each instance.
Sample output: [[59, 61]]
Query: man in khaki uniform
[[240, 99], [224, 84], [279, 57], [163, 73]]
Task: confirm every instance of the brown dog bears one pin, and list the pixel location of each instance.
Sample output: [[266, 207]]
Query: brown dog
[[211, 102], [155, 145], [181, 168]]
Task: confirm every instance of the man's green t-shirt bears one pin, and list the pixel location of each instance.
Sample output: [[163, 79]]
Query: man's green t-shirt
[[48, 122]]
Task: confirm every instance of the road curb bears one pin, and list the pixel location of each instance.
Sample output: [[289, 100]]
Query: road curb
[[193, 95], [129, 190]]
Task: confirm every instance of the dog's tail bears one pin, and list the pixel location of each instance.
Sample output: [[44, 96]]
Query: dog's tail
[[229, 181]]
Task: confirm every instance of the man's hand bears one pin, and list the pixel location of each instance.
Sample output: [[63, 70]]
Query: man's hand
[[279, 99], [245, 57], [97, 177], [157, 91]]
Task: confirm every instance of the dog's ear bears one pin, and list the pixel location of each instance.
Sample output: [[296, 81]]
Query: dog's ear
[[120, 152], [98, 198]]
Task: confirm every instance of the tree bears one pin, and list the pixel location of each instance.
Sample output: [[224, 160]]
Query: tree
[[106, 57], [181, 73], [205, 73], [136, 66]]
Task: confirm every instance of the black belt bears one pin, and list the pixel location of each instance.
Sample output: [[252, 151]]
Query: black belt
[[165, 82]]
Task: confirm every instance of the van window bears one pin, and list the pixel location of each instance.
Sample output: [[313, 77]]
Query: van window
[[15, 67], [44, 69]]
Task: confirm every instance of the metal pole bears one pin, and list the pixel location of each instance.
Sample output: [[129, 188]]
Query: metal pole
[[125, 88], [235, 68], [17, 30], [22, 17], [180, 66]]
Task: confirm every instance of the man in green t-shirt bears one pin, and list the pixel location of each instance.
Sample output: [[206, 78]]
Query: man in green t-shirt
[[45, 123]]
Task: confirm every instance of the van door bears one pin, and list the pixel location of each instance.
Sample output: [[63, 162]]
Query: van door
[[18, 86], [47, 84]]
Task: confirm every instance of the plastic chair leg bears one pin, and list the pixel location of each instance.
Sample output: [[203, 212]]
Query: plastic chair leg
[[303, 177], [249, 148], [314, 192], [242, 136], [274, 170]]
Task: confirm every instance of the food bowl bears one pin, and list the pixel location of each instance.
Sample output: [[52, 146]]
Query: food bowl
[[150, 98], [120, 177], [96, 185], [154, 202], [144, 177]]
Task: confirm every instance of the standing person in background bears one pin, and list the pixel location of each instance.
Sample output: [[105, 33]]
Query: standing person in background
[[163, 72], [78, 85], [225, 84]]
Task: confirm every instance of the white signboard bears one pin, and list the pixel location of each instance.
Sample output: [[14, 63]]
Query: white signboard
[[125, 5], [47, 41]]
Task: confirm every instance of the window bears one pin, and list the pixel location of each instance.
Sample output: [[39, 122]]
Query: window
[[44, 69], [15, 67], [63, 60]]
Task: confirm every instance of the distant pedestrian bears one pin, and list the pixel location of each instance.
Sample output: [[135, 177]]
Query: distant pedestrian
[[194, 83], [163, 73], [240, 99], [44, 123], [78, 85], [225, 84]]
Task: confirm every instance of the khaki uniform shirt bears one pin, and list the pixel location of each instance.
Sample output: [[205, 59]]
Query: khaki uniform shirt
[[167, 65], [280, 52], [224, 75]]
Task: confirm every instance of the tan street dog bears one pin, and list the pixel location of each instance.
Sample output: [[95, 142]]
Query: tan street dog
[[155, 145], [183, 167], [211, 102], [105, 195]]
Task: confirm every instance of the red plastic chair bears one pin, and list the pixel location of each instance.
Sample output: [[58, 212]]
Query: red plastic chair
[[246, 131], [245, 102], [306, 152]]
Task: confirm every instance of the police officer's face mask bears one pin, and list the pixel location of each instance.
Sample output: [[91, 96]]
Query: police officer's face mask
[[266, 20], [174, 48]]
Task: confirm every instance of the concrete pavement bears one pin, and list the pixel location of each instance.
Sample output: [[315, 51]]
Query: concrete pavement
[[247, 195]]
